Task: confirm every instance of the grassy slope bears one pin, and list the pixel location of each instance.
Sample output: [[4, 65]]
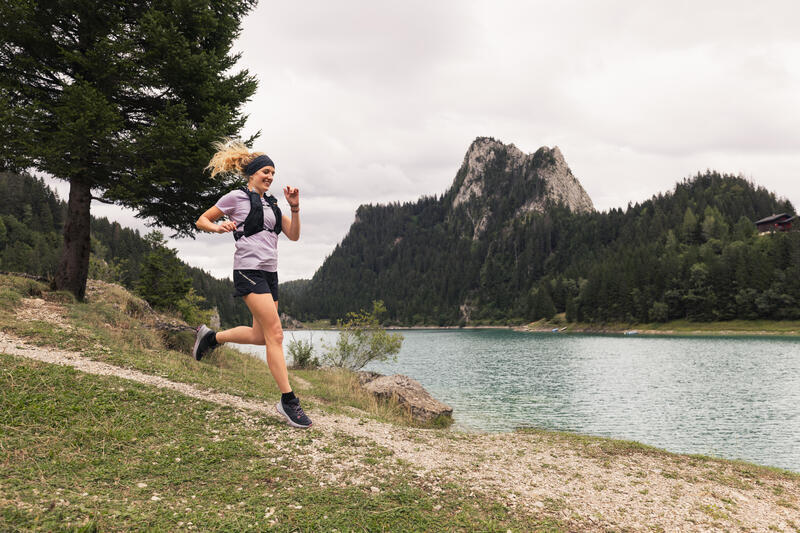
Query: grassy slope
[[82, 451], [86, 452], [114, 327]]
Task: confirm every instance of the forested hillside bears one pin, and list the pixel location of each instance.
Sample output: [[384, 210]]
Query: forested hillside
[[693, 253], [31, 223]]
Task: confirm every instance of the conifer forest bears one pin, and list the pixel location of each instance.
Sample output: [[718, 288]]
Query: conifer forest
[[692, 253]]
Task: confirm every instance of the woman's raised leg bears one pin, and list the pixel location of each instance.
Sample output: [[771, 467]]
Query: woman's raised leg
[[208, 339], [243, 334]]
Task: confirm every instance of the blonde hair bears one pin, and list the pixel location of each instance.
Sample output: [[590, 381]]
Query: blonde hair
[[232, 155]]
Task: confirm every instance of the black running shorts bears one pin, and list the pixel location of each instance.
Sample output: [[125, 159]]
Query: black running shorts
[[255, 281]]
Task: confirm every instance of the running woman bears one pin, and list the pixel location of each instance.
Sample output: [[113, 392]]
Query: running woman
[[256, 220]]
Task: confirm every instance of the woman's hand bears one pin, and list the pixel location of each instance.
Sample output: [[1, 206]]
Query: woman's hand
[[226, 226], [207, 219], [292, 195]]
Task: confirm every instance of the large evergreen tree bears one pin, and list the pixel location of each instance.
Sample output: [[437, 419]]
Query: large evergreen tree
[[123, 100], [31, 223]]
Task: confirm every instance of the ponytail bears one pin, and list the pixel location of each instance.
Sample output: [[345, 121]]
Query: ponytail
[[232, 155]]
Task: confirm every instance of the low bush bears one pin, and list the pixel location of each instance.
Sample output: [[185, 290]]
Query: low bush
[[302, 353], [362, 339]]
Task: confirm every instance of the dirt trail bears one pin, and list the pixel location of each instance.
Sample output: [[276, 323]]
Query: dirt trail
[[535, 472]]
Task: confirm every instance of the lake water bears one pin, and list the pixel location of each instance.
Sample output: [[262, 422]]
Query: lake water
[[730, 397]]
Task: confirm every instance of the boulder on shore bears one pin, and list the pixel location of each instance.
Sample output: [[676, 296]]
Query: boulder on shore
[[409, 393], [365, 376], [289, 322]]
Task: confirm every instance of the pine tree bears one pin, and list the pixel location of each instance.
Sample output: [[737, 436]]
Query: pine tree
[[123, 100], [163, 281]]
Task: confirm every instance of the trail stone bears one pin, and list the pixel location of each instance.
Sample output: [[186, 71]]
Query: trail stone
[[410, 394]]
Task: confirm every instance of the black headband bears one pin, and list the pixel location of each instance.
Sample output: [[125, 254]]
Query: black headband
[[257, 164]]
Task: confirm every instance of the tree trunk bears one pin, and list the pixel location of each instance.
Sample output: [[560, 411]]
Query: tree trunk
[[73, 267]]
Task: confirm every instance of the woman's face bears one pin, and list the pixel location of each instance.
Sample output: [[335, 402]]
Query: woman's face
[[262, 179]]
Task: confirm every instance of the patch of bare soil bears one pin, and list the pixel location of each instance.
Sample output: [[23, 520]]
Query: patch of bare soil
[[44, 311], [541, 473]]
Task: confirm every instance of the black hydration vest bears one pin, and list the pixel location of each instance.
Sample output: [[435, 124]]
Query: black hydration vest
[[255, 218]]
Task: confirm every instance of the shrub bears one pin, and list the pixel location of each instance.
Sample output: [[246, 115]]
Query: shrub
[[362, 339], [189, 308], [302, 353]]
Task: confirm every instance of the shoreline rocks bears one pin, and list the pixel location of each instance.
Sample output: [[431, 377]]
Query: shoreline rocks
[[408, 392]]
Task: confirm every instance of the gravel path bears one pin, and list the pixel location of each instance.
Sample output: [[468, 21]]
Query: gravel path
[[541, 472]]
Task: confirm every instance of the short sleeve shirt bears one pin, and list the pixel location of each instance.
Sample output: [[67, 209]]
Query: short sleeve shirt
[[258, 251]]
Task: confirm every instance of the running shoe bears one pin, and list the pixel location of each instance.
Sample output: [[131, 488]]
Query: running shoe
[[202, 343], [294, 414]]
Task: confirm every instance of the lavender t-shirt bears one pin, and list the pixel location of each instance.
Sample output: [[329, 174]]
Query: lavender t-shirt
[[258, 251]]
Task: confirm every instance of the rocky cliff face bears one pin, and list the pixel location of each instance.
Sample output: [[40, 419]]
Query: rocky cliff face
[[491, 168]]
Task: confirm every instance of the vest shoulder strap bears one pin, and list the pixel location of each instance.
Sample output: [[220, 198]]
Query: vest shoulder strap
[[255, 217]]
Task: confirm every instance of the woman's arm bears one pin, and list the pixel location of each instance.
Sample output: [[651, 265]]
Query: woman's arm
[[291, 227], [207, 219]]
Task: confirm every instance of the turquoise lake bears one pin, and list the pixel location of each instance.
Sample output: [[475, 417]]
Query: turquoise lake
[[730, 397]]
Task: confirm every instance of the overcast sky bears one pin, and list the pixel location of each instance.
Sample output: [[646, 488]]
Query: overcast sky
[[371, 102]]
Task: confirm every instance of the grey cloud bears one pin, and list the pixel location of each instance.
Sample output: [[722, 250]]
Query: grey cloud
[[363, 102], [357, 42]]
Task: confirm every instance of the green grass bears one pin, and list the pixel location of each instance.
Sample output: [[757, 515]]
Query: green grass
[[741, 475], [116, 328], [678, 327], [597, 447], [14, 288], [673, 327], [85, 452], [319, 324]]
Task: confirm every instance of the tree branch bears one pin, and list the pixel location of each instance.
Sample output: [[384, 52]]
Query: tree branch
[[103, 200]]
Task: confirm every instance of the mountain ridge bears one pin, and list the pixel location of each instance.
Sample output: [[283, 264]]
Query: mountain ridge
[[500, 248], [491, 168], [546, 163]]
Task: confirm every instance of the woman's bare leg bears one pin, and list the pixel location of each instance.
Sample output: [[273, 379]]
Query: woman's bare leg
[[243, 334], [265, 314]]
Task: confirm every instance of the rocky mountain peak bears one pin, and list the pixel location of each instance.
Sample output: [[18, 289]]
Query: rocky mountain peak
[[486, 154]]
